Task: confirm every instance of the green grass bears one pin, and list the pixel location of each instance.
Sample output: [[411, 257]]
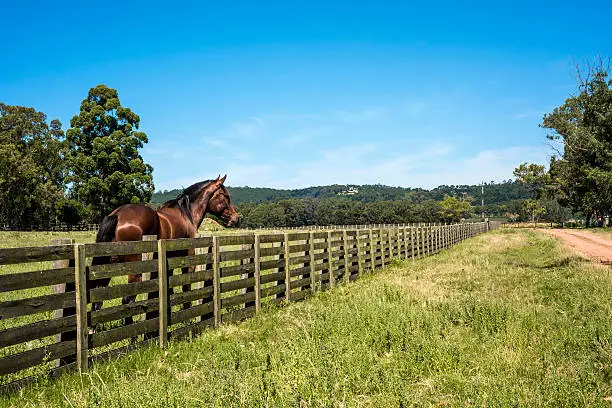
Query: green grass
[[504, 319], [606, 232], [20, 239], [12, 239]]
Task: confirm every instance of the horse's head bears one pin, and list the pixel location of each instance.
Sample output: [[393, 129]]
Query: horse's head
[[220, 204]]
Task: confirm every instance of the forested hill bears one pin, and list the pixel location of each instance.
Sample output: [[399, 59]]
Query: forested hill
[[494, 193]]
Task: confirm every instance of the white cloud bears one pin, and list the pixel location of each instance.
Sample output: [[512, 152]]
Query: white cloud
[[245, 129], [427, 167]]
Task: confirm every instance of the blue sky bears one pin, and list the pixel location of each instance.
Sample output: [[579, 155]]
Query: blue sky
[[294, 94]]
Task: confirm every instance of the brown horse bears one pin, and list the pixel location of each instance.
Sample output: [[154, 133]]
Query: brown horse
[[178, 218]]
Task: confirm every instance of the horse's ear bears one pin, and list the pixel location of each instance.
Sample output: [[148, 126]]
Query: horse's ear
[[222, 180]]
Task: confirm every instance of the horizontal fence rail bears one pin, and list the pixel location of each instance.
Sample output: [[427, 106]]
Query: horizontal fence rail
[[57, 315]]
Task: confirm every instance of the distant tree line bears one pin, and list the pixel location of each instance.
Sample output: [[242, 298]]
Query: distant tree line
[[48, 176], [341, 211], [361, 204], [495, 193]]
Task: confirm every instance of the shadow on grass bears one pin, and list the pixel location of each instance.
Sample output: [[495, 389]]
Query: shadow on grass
[[556, 263]]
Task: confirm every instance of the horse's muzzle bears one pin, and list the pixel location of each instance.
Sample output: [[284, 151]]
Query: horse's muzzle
[[233, 221]]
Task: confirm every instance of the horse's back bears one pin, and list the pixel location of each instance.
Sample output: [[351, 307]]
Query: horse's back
[[134, 221]]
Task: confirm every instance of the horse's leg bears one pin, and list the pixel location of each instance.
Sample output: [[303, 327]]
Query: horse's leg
[[135, 278], [190, 269], [187, 287], [99, 283], [95, 307]]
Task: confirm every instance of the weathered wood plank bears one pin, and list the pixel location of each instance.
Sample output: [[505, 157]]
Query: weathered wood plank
[[216, 281], [189, 260], [238, 299], [299, 248], [164, 308], [272, 277], [301, 259], [122, 311], [20, 361], [119, 248], [190, 277], [10, 256], [227, 271], [268, 238], [122, 268], [38, 304], [272, 290], [188, 243], [271, 251], [257, 273], [272, 264], [37, 330], [298, 236], [27, 280], [299, 283], [237, 284], [191, 313], [320, 245], [304, 270], [119, 291], [196, 294], [320, 255], [225, 240], [236, 255], [80, 273], [104, 338]]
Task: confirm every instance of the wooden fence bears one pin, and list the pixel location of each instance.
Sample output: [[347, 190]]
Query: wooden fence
[[48, 324]]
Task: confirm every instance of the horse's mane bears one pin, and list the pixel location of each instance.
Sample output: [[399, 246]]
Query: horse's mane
[[184, 199]]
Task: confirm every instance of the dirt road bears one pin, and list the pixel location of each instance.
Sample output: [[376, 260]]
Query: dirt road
[[590, 245]]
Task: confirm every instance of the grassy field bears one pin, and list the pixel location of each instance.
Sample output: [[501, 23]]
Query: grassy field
[[504, 319], [11, 239], [607, 232]]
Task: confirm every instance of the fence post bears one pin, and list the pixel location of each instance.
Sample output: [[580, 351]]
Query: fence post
[[359, 254], [162, 279], [257, 249], [216, 281], [412, 242], [80, 274], [405, 243], [330, 263], [382, 248], [63, 288], [372, 252], [287, 271], [346, 261], [313, 278]]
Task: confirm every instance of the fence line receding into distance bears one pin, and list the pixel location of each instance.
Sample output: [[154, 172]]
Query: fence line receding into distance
[[48, 325]]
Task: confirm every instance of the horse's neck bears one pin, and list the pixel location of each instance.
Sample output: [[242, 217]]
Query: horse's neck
[[198, 208]]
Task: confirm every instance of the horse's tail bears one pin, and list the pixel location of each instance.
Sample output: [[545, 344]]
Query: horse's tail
[[106, 233]]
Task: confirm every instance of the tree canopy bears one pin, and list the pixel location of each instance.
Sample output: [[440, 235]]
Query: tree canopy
[[581, 171], [105, 169], [31, 167]]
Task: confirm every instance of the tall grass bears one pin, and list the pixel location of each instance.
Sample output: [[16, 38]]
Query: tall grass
[[504, 319]]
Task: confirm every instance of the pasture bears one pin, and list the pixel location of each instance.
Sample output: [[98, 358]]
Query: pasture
[[507, 318]]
